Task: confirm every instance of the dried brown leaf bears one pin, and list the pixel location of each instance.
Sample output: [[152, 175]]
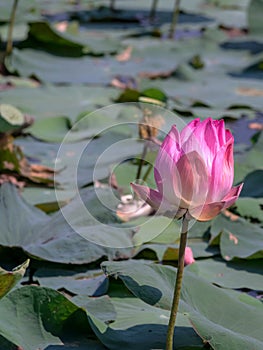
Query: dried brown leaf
[[15, 167], [156, 75], [256, 126], [12, 179], [125, 55], [245, 91]]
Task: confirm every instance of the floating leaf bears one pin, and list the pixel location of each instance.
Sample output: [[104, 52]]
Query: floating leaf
[[158, 230], [252, 184], [216, 322], [250, 208], [56, 69], [53, 238], [89, 283], [124, 322], [46, 199], [41, 317], [52, 101], [51, 129], [26, 10], [235, 274], [255, 8], [238, 237], [49, 37]]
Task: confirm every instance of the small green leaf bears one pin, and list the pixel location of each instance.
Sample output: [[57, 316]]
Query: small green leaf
[[8, 279], [129, 95], [155, 94]]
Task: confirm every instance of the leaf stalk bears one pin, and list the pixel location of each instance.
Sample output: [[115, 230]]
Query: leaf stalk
[[9, 44], [178, 284]]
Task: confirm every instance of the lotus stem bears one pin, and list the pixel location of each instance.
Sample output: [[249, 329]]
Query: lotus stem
[[178, 285], [112, 5], [9, 45], [153, 10], [150, 166], [142, 160], [174, 19]]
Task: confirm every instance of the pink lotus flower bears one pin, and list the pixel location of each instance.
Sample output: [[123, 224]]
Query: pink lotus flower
[[193, 172]]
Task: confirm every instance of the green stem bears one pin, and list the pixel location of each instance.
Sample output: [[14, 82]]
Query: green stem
[[147, 172], [174, 19], [141, 162], [153, 10], [178, 285], [112, 5], [9, 45]]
